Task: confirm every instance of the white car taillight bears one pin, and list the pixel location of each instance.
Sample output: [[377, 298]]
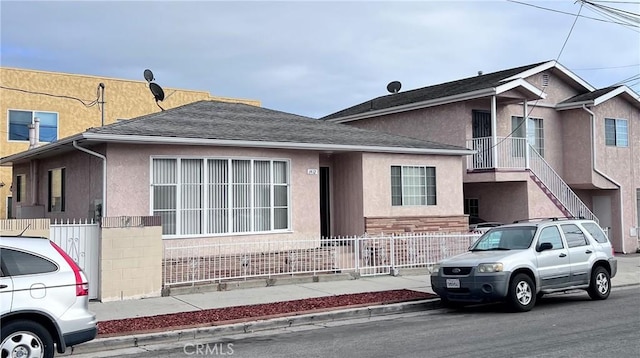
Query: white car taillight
[[82, 284]]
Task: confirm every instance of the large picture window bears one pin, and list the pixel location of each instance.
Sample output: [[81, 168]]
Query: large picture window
[[616, 132], [413, 185], [19, 122], [56, 187], [220, 196]]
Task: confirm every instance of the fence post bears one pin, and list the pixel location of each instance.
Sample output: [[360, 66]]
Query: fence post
[[356, 250], [392, 252]]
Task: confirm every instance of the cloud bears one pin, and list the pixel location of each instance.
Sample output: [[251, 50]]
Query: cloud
[[309, 58]]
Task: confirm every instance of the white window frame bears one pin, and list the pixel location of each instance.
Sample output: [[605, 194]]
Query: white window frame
[[425, 185], [205, 190], [534, 135], [51, 208], [619, 139], [33, 116]]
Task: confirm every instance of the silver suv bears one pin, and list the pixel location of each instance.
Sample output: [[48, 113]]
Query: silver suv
[[520, 262], [43, 299]]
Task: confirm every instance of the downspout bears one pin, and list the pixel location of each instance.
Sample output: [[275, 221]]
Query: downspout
[[104, 175], [595, 169]]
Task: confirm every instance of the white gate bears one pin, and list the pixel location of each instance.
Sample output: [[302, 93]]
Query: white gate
[[81, 241]]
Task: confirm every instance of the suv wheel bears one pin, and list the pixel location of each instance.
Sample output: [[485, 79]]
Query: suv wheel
[[521, 296], [26, 339], [600, 285]]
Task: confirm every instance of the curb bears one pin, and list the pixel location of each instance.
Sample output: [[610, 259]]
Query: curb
[[190, 334]]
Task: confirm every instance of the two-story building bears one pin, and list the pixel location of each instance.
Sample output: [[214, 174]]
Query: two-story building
[[548, 144], [66, 104]]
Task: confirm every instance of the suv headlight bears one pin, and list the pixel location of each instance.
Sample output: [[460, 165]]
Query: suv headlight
[[492, 267], [435, 268]]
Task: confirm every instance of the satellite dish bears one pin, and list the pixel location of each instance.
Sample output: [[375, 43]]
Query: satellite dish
[[394, 87], [148, 75], [157, 91]]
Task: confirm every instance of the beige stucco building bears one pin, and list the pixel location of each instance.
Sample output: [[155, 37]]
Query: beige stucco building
[[577, 154], [67, 104]]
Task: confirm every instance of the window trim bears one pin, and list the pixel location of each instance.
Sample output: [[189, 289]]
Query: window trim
[[537, 131], [205, 194], [426, 185], [615, 133], [33, 112]]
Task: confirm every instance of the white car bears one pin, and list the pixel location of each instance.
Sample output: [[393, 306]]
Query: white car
[[43, 299]]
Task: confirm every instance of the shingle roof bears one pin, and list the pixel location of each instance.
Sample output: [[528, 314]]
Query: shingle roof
[[590, 95], [447, 89], [214, 120]]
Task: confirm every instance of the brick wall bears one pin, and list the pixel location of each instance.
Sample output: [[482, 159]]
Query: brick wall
[[401, 225]]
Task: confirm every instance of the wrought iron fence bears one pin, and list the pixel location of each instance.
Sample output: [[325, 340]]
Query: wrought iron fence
[[367, 255]]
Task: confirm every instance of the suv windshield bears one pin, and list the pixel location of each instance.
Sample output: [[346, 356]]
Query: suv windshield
[[511, 238]]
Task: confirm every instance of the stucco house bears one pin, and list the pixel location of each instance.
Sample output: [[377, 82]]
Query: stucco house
[[67, 103], [576, 154], [214, 169]]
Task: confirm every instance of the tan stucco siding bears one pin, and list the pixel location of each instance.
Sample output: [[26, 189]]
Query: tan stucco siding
[[125, 99], [577, 146]]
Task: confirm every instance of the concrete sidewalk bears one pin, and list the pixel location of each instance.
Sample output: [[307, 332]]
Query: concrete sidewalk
[[415, 279], [412, 279]]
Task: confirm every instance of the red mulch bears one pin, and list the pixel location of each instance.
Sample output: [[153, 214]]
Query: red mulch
[[220, 316]]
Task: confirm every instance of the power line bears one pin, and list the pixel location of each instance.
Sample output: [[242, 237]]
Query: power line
[[568, 13], [605, 68], [88, 104], [524, 120]]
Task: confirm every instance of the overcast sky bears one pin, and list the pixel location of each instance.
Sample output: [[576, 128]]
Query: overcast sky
[[315, 58]]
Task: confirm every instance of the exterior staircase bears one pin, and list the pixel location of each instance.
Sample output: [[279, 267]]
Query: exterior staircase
[[557, 189]]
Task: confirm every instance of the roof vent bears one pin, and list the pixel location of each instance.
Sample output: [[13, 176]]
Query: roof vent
[[479, 73], [545, 80]]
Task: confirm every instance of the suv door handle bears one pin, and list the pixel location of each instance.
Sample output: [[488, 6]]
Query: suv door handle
[[3, 286], [588, 252], [563, 255]]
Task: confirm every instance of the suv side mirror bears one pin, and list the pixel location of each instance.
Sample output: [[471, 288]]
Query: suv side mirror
[[545, 246]]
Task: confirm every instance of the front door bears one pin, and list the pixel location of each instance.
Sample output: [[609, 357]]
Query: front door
[[325, 212], [481, 131]]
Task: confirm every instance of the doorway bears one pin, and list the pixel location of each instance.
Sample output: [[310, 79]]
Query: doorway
[[325, 203]]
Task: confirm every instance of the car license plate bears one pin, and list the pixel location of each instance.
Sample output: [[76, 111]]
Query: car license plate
[[453, 283]]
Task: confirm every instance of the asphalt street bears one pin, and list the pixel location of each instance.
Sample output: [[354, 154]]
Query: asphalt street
[[568, 325]]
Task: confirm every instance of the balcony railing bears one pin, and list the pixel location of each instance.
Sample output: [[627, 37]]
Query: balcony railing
[[516, 153], [509, 153]]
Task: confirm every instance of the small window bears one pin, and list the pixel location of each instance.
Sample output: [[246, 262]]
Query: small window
[[413, 185], [551, 235], [21, 188], [596, 232], [56, 190], [616, 132], [16, 263], [575, 237], [471, 207], [19, 122]]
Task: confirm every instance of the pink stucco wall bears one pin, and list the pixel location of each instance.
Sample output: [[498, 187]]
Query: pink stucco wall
[[377, 181], [130, 165]]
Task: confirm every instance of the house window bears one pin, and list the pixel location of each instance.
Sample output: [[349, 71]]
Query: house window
[[221, 196], [534, 135], [21, 188], [413, 185], [616, 132], [19, 125], [56, 190], [471, 207]]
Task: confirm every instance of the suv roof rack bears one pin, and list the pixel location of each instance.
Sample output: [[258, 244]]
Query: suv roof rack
[[547, 219]]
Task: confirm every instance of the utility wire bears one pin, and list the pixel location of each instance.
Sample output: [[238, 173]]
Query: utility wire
[[84, 102], [543, 88], [605, 68]]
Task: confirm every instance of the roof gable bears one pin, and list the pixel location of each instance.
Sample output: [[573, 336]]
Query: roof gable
[[600, 96]]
